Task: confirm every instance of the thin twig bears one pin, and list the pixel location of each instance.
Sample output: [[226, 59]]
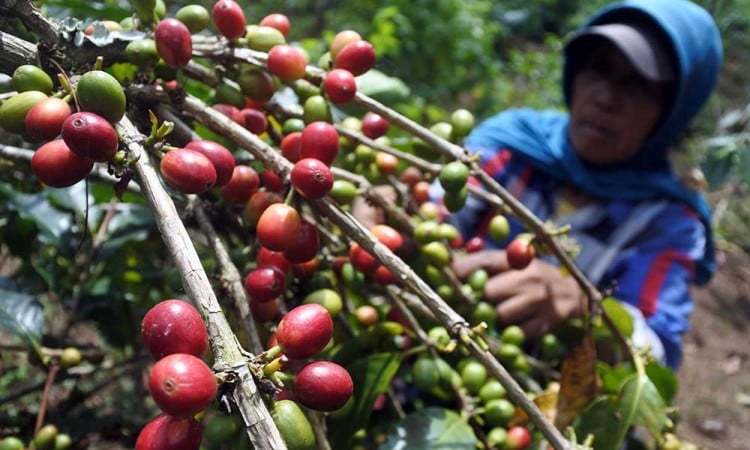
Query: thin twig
[[53, 369]]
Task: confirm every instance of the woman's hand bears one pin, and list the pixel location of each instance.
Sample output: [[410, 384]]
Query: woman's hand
[[537, 298]]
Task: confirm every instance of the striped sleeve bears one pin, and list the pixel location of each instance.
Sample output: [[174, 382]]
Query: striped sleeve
[[655, 272]]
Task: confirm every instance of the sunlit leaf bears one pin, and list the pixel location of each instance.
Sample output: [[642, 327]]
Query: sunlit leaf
[[21, 314], [429, 429], [638, 402], [74, 198], [50, 221], [382, 87], [546, 401], [641, 396], [619, 315]]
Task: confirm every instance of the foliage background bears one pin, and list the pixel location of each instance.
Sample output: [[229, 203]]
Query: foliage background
[[478, 54]]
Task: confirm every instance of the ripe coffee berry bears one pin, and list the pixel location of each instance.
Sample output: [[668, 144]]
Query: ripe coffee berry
[[290, 146], [229, 19], [357, 57], [173, 42], [182, 384], [90, 135], [305, 245], [319, 140], [287, 62], [278, 21], [241, 186], [374, 125], [220, 156], [188, 171], [174, 326], [305, 330], [340, 86], [323, 386], [520, 252], [57, 166], [167, 432], [255, 121], [277, 226], [265, 283], [44, 120], [312, 178], [271, 181]]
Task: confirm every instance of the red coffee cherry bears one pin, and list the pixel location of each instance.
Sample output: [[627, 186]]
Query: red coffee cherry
[[173, 42], [182, 384], [167, 432], [305, 330], [277, 226], [265, 283], [357, 57], [243, 184], [57, 166], [266, 257], [287, 62], [374, 125], [271, 181], [265, 311], [278, 21], [312, 178], [323, 386], [340, 86], [319, 140], [174, 326], [341, 39], [188, 171], [90, 136], [229, 19], [220, 157], [305, 245], [255, 121], [291, 146], [520, 252], [44, 120]]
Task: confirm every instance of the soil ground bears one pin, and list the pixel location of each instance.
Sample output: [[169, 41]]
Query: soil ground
[[714, 393]]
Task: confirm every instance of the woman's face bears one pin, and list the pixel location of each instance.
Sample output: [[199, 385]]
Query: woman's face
[[613, 108]]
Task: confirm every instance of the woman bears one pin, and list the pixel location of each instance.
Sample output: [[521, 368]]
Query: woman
[[635, 75]]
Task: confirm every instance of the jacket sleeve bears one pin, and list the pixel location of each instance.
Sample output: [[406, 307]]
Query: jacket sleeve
[[654, 274]]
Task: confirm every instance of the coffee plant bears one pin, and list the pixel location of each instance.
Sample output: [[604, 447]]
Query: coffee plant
[[180, 185]]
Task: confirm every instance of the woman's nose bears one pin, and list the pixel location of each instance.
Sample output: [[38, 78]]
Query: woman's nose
[[608, 93]]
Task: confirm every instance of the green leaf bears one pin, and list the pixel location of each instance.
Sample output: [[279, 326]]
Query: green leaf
[[744, 164], [130, 223], [74, 198], [641, 396], [664, 380], [719, 162], [614, 377], [619, 315], [371, 375], [50, 221], [601, 420], [609, 418], [382, 87], [21, 314], [430, 429]]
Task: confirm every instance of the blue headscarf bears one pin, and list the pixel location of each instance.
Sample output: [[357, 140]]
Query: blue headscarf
[[541, 137]]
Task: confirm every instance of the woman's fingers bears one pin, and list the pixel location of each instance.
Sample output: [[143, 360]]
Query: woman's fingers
[[493, 261]]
